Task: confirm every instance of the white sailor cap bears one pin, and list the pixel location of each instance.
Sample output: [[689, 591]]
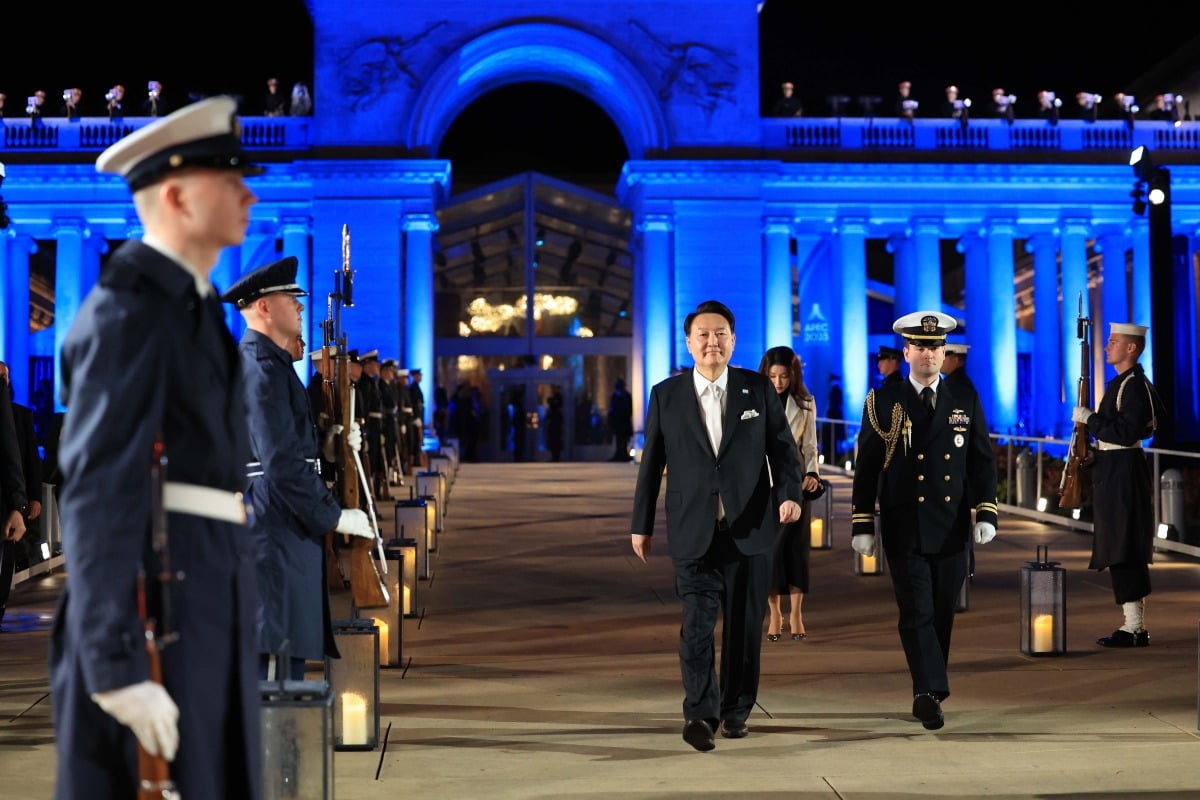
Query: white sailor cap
[[370, 355], [1128, 328], [206, 133], [957, 348], [926, 328], [402, 372], [276, 277]]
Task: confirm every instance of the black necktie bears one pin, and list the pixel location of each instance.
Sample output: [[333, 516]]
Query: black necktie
[[927, 399]]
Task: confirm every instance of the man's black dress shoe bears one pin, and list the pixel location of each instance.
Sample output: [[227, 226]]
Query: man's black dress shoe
[[1123, 638], [699, 734], [927, 709], [734, 730]]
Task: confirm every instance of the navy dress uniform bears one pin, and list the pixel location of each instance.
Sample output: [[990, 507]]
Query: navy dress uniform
[[925, 462], [293, 508], [1122, 484], [149, 356], [886, 353]]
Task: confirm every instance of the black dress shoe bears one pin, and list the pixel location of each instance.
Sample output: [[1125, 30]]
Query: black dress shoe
[[1123, 638], [732, 729], [699, 734], [927, 709]]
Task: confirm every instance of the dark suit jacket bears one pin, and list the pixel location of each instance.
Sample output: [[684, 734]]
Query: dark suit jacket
[[12, 480], [927, 486], [31, 461], [755, 434]]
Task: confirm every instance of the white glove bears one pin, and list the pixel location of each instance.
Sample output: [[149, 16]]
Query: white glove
[[355, 522], [329, 447], [863, 544], [1081, 414], [354, 438], [149, 711], [404, 429], [984, 532]]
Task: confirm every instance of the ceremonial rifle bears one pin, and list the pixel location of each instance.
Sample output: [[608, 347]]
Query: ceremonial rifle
[[154, 772], [1079, 455], [366, 581]]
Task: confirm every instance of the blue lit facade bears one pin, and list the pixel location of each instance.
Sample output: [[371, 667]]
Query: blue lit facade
[[782, 219]]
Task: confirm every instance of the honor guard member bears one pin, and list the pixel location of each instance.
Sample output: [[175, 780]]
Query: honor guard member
[[417, 428], [327, 427], [1123, 488], [404, 416], [887, 361], [293, 509], [149, 358], [373, 412], [955, 365], [923, 453], [387, 397]]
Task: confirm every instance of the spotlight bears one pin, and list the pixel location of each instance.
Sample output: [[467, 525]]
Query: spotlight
[[1143, 165], [1156, 196], [1042, 504]]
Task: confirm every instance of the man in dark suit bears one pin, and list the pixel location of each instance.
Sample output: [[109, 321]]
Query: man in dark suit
[[148, 363], [734, 478], [13, 499], [924, 453], [12, 556]]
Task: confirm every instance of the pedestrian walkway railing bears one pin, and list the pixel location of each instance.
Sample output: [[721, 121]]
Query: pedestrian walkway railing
[[1030, 472]]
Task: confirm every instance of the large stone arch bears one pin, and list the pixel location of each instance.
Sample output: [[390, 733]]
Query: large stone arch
[[547, 53]]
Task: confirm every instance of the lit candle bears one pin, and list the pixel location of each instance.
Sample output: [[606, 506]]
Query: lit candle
[[407, 600], [383, 640], [1043, 633], [354, 718], [868, 564], [817, 531]]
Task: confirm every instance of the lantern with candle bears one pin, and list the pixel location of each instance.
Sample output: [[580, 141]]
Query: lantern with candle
[[1043, 606], [414, 518], [431, 506], [433, 483], [820, 522], [873, 564], [297, 744], [390, 619], [354, 683]]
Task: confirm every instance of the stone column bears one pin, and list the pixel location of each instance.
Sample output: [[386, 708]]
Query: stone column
[[1002, 321], [851, 235], [653, 334], [777, 281], [416, 306], [1047, 359], [1075, 233]]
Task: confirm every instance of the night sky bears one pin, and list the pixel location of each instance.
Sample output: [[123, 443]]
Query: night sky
[[833, 48]]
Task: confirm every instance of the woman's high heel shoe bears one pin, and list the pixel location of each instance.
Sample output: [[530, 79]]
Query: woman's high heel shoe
[[773, 637]]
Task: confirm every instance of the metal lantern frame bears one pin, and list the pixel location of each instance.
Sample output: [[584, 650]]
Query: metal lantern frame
[[432, 482], [873, 565], [433, 511], [1043, 606], [413, 521], [354, 682], [296, 720], [820, 520], [391, 637]]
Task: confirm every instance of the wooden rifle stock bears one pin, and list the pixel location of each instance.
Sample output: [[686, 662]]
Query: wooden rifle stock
[[366, 583], [154, 772], [334, 579], [1079, 455]]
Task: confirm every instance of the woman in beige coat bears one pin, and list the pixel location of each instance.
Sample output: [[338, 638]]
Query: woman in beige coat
[[783, 368]]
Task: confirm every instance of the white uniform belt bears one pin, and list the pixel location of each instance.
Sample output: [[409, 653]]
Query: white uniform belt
[[375, 414], [254, 468], [1110, 446], [204, 501]]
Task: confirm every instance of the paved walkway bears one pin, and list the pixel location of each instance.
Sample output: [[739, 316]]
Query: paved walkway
[[544, 666]]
